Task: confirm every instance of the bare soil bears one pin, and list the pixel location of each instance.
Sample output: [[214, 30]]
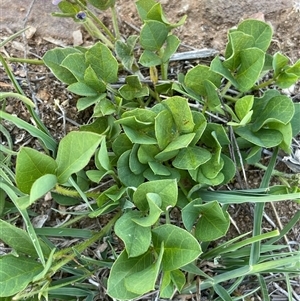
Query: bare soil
[[206, 27]]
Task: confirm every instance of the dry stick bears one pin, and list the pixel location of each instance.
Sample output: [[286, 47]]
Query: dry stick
[[280, 226]]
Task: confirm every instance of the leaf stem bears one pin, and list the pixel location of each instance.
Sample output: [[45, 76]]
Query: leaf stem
[[23, 60], [264, 84]]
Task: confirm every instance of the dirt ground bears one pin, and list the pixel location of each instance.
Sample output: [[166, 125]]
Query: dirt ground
[[206, 27]]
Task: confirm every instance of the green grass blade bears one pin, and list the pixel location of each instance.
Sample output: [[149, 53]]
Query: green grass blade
[[293, 221], [19, 90], [48, 141], [223, 294], [12, 37], [263, 288], [64, 232], [81, 193], [259, 210], [21, 97], [35, 241], [224, 248]]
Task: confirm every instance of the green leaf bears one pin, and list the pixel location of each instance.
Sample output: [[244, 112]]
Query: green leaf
[[213, 166], [125, 50], [278, 109], [213, 223], [190, 213], [252, 62], [178, 278], [191, 157], [243, 106], [30, 166], [173, 148], [168, 173], [203, 180], [200, 125], [264, 137], [121, 269], [166, 189], [126, 176], [285, 80], [295, 120], [139, 116], [153, 35], [53, 59], [165, 130], [154, 201], [102, 4], [149, 59], [146, 153], [217, 66], [259, 30], [143, 7], [82, 89], [286, 131], [144, 281], [156, 13], [76, 64], [180, 247], [103, 157], [121, 144], [196, 77], [295, 69], [16, 273], [133, 88], [104, 63], [238, 41], [105, 107], [134, 164], [172, 45], [212, 99], [215, 135], [159, 168], [228, 170], [68, 8], [41, 186], [279, 62], [92, 80], [72, 159], [17, 239], [261, 102], [85, 102], [136, 238], [181, 113], [140, 136], [166, 287]]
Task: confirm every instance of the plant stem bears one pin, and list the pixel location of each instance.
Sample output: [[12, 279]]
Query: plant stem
[[96, 19], [28, 61], [115, 22], [225, 89], [96, 33], [68, 253], [264, 84]]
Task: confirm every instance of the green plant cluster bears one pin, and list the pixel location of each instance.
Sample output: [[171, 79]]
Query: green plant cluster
[[162, 143]]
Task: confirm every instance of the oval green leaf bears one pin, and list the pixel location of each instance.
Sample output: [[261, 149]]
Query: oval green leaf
[[180, 247], [74, 152], [30, 166], [153, 35]]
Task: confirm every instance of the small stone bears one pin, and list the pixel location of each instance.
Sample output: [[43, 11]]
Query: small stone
[[9, 109]]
